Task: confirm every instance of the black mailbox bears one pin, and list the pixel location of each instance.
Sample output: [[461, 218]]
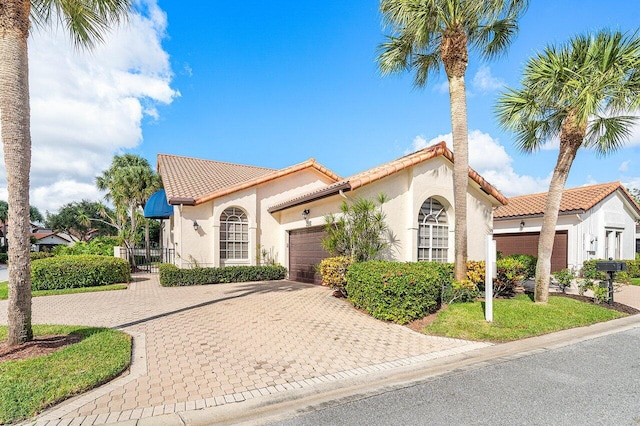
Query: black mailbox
[[611, 266]]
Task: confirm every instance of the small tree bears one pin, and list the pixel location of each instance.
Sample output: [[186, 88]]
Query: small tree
[[359, 231]]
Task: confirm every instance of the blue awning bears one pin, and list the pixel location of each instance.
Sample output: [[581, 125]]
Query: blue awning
[[157, 206]]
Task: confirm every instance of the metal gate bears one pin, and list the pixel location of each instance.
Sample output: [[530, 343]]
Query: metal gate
[[143, 259]]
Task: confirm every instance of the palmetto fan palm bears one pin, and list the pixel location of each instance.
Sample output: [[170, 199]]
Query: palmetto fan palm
[[430, 34], [582, 92], [85, 20]]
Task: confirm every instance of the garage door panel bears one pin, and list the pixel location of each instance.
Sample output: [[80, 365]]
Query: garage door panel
[[527, 243], [305, 252]]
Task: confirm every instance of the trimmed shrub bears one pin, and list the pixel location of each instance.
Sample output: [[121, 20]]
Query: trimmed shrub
[[510, 272], [172, 276], [564, 279], [460, 292], [589, 270], [334, 272], [78, 271], [633, 268], [399, 292], [528, 262], [4, 258], [35, 255]]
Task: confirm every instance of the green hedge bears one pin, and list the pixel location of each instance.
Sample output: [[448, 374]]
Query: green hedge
[[78, 271], [171, 275], [394, 291], [102, 246], [36, 255], [4, 258], [589, 269]]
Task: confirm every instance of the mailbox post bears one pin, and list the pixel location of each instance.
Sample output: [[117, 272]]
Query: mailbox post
[[611, 268]]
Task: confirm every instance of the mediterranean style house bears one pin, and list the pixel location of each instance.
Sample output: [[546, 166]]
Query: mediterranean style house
[[594, 222], [230, 214]]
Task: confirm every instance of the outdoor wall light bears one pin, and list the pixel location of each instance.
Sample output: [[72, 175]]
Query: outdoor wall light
[[195, 225], [305, 213], [522, 225]]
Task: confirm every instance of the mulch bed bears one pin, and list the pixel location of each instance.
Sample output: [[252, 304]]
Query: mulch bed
[[39, 346], [616, 306]]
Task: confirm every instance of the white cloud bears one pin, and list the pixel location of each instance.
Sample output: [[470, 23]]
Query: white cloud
[[624, 166], [483, 81], [88, 105], [490, 159]]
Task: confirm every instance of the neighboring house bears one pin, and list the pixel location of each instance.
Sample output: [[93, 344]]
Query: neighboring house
[[595, 222], [637, 237], [230, 214], [47, 239]]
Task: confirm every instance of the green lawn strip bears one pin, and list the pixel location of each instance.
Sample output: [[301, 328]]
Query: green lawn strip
[[635, 281], [516, 318], [31, 385], [4, 290]]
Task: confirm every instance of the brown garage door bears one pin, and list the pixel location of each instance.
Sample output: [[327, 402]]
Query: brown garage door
[[305, 252], [527, 243]]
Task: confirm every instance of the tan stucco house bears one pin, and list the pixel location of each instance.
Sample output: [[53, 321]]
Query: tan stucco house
[[594, 222], [230, 214]]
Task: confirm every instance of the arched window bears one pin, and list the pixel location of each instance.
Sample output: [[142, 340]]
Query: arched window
[[234, 234], [433, 232]]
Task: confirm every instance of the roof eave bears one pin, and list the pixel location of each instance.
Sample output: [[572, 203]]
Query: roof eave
[[536, 215], [327, 192]]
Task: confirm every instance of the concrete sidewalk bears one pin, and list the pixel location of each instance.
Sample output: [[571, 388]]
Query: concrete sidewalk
[[210, 346]]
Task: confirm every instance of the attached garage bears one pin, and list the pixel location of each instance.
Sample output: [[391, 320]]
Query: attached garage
[[305, 252], [527, 243]]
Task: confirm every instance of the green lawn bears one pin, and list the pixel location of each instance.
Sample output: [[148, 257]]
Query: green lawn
[[4, 290], [635, 281], [31, 385], [516, 318]]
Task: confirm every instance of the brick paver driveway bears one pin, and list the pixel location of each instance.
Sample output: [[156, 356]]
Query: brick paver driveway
[[210, 345]]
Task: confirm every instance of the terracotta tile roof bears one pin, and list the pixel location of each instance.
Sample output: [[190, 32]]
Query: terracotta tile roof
[[387, 169], [574, 200], [193, 181]]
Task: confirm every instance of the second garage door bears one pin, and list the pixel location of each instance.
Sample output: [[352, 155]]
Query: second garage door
[[305, 252], [527, 243]]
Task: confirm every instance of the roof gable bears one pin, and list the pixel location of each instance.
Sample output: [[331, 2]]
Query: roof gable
[[380, 172], [574, 200]]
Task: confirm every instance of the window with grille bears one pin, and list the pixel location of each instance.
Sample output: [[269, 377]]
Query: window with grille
[[433, 232], [234, 234]]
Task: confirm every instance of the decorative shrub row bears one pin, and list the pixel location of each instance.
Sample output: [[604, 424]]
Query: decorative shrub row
[[394, 291], [589, 270], [78, 271], [334, 272], [172, 276]]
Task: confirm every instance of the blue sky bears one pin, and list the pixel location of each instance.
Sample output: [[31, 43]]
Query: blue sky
[[275, 83]]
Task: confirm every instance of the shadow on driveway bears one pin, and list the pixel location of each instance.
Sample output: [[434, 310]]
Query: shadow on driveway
[[242, 290]]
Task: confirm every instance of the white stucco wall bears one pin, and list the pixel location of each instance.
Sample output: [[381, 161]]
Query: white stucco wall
[[406, 190], [264, 231]]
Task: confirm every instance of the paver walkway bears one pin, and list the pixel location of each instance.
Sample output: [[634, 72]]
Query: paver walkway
[[211, 345]]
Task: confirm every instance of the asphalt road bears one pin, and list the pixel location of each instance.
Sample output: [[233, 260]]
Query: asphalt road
[[595, 382]]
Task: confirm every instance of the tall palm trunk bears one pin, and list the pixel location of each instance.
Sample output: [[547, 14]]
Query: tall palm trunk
[[455, 58], [16, 139], [571, 138]]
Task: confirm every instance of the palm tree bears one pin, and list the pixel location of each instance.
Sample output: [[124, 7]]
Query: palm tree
[[581, 91], [428, 34], [129, 183], [85, 20]]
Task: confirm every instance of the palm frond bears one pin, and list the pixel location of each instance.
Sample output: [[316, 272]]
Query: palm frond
[[608, 134], [85, 20]]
